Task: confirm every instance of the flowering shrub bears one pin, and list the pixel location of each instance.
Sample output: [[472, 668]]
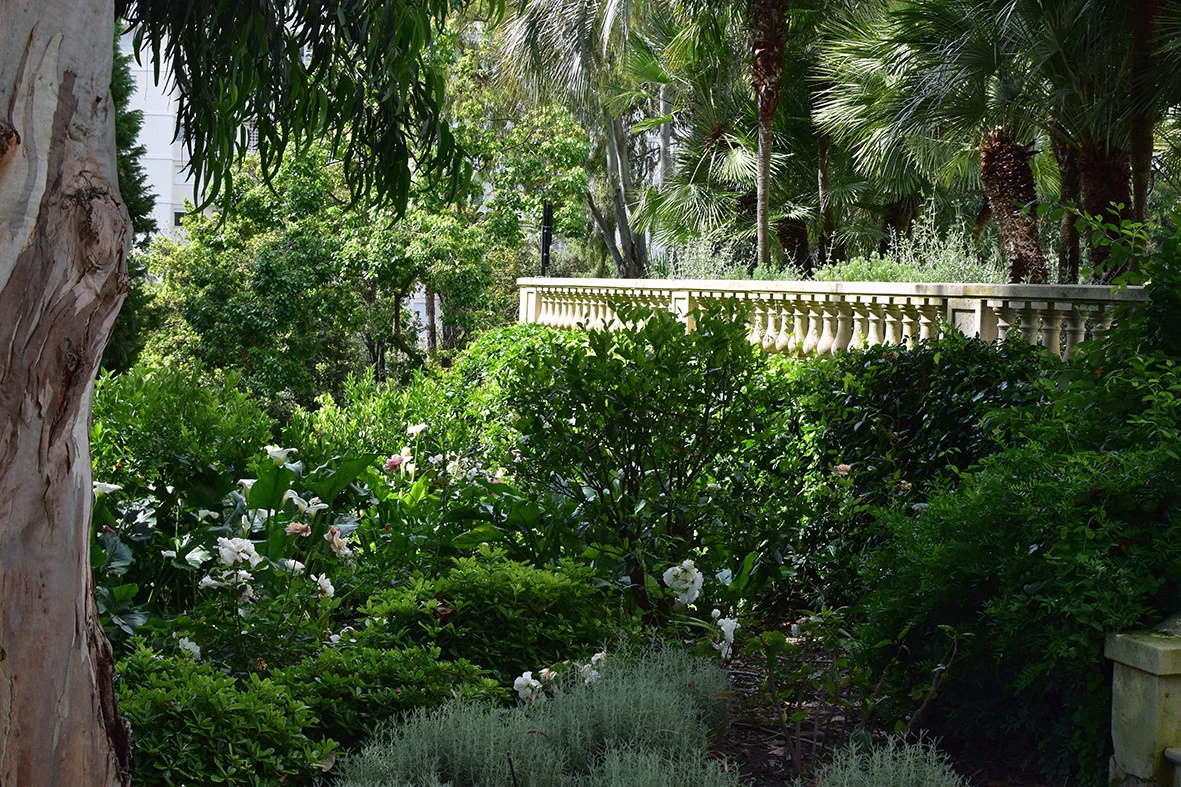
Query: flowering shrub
[[645, 429]]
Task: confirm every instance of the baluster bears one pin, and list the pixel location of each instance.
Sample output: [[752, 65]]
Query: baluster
[[565, 310], [754, 318], [893, 323], [928, 314], [575, 308], [1052, 329], [1076, 327], [772, 333], [812, 339], [874, 336], [596, 319], [1030, 325], [787, 312], [910, 324], [799, 329], [1006, 320], [860, 325], [1102, 322], [828, 334], [844, 325]]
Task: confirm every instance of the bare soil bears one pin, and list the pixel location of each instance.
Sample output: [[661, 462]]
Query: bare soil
[[761, 750]]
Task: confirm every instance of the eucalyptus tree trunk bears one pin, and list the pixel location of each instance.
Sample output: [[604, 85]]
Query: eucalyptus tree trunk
[[767, 23], [633, 248], [64, 237], [1008, 181]]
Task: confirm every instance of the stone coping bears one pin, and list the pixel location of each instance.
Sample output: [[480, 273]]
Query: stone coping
[[1030, 292], [1154, 652]]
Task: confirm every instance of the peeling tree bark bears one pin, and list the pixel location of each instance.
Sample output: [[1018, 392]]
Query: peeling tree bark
[[63, 275]]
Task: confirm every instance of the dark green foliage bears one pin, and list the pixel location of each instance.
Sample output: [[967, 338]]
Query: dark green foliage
[[351, 689], [881, 428], [193, 725], [464, 406], [1065, 535], [506, 616], [137, 317], [894, 414], [298, 73], [1032, 562], [168, 426], [639, 426], [264, 289]]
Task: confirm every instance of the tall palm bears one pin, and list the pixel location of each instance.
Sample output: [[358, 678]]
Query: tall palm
[[910, 80]]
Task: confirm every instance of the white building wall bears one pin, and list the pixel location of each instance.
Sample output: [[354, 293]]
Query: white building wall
[[165, 159]]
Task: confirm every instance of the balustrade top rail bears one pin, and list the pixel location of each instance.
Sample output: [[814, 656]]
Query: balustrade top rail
[[819, 318]]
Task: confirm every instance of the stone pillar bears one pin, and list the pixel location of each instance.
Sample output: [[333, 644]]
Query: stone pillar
[[1145, 704]]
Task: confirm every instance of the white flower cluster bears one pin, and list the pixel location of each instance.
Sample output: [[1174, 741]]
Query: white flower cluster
[[590, 675], [192, 648], [531, 689], [728, 627], [686, 580], [237, 550]]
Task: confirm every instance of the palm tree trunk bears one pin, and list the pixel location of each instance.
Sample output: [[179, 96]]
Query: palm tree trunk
[[664, 173], [1145, 22], [823, 238], [1008, 182], [1105, 177], [1068, 236], [767, 23]]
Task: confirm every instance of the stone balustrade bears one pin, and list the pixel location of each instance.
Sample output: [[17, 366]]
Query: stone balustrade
[[820, 318]]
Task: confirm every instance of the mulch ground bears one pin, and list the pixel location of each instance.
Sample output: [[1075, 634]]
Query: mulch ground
[[757, 745]]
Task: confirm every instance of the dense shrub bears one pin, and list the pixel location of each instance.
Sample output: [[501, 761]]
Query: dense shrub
[[193, 725], [500, 614], [644, 427], [642, 723], [881, 428], [157, 427], [351, 689], [463, 406], [1026, 567]]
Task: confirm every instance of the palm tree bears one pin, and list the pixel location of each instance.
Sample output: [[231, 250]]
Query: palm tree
[[1089, 76], [908, 81]]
